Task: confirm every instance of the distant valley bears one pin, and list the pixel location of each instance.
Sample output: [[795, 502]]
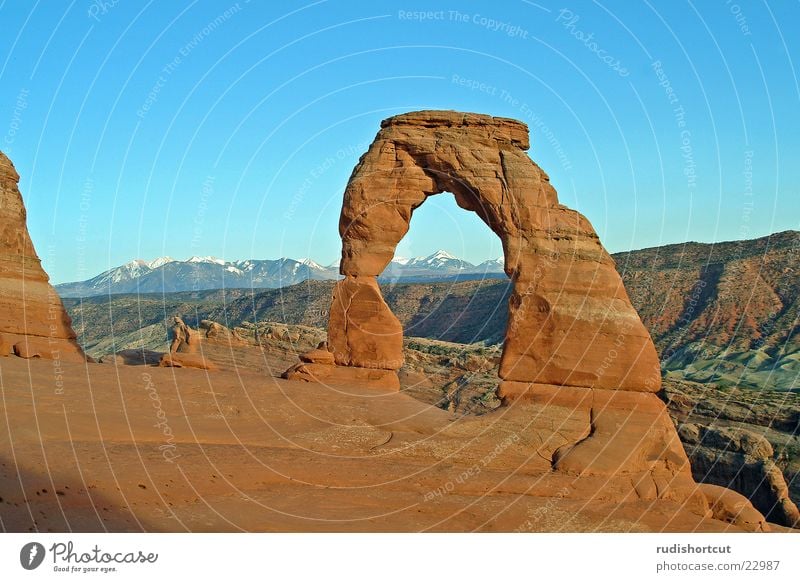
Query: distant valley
[[724, 314]]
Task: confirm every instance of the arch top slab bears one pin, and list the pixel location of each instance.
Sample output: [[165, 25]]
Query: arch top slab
[[499, 128], [570, 320], [479, 158]]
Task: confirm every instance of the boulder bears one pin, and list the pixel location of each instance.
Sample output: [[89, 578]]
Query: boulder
[[732, 507], [186, 360], [182, 337], [318, 356], [343, 375]]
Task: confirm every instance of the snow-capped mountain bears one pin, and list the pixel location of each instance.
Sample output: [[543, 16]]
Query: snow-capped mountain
[[166, 275], [440, 260], [490, 266], [440, 263], [212, 260], [132, 270], [156, 263], [310, 263]]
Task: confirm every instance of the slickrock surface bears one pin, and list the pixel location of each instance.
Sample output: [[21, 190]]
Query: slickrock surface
[[570, 320], [235, 449], [166, 449], [33, 322]]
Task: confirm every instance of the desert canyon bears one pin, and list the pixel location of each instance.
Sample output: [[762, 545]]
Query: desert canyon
[[227, 431]]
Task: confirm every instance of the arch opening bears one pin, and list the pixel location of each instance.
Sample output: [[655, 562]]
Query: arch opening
[[462, 301], [447, 287]]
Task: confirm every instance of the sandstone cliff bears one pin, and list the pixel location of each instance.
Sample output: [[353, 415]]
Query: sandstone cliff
[[33, 322]]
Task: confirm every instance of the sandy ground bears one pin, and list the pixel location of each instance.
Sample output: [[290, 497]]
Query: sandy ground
[[128, 448]]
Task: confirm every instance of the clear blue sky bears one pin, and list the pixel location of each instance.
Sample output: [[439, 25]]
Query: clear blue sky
[[230, 129]]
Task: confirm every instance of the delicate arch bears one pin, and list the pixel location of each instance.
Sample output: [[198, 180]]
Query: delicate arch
[[570, 320]]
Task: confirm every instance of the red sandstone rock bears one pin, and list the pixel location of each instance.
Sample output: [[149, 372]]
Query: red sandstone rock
[[216, 332], [183, 338], [419, 467], [186, 360], [343, 375], [133, 357], [30, 309], [575, 349], [317, 357], [627, 437], [362, 331], [570, 320], [32, 348], [728, 505]]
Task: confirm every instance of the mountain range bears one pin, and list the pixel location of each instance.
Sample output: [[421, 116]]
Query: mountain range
[[168, 275], [725, 313]]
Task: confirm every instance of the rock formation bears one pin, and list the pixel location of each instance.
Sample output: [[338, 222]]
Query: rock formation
[[181, 337], [186, 360], [184, 344], [319, 365], [575, 349], [33, 322], [727, 505], [741, 460], [570, 320], [213, 331], [741, 439]]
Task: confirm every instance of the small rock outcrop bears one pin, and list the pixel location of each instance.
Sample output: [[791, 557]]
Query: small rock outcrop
[[186, 360], [213, 331], [319, 365], [184, 344], [181, 337], [33, 322], [732, 507]]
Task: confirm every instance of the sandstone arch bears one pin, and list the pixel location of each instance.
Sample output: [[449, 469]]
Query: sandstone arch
[[570, 320]]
